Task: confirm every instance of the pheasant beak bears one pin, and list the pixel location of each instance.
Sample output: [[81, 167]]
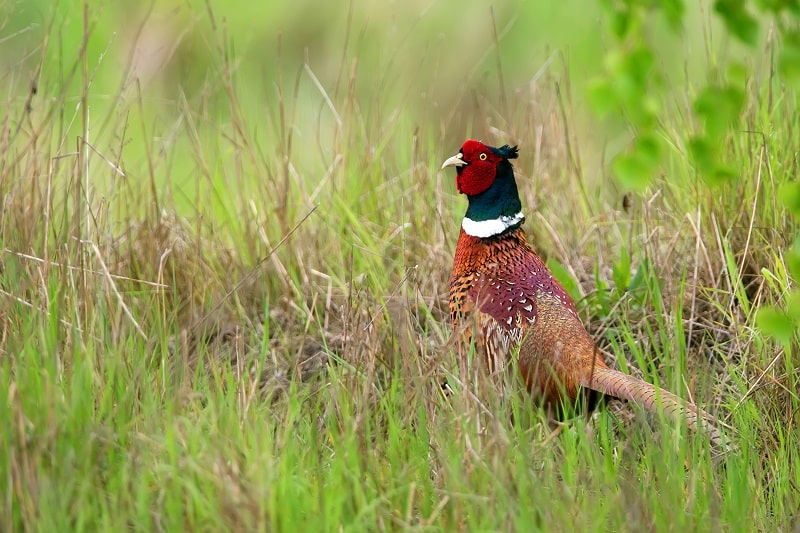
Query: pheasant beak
[[455, 161]]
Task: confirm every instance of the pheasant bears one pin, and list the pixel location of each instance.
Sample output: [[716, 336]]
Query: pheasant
[[502, 287]]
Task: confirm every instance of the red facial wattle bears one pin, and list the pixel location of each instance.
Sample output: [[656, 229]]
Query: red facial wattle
[[476, 177], [479, 170]]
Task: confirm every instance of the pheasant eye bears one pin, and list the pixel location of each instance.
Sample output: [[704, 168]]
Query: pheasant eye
[[482, 157]]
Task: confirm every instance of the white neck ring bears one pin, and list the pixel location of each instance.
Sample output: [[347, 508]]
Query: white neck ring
[[492, 227]]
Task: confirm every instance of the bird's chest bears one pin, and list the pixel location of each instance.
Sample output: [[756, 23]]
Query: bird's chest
[[500, 289]]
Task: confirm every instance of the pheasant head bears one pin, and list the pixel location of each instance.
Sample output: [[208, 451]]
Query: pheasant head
[[485, 175]]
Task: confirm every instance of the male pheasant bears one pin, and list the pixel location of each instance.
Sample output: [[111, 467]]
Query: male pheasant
[[503, 288]]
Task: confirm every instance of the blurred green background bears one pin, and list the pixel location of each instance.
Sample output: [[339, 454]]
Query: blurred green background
[[444, 68]]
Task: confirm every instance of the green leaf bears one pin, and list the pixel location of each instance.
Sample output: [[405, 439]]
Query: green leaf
[[738, 21], [649, 147], [722, 174], [789, 59], [614, 61], [719, 107], [633, 171], [705, 157], [790, 196], [621, 23], [703, 154], [737, 74], [673, 12], [793, 305], [632, 72], [775, 323], [602, 97], [792, 258], [776, 6], [640, 63], [642, 112]]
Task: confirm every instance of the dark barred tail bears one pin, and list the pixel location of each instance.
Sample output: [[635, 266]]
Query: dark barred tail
[[623, 386]]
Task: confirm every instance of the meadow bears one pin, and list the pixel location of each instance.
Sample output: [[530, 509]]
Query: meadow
[[227, 242]]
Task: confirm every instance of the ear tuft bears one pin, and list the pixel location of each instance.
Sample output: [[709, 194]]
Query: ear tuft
[[507, 152]]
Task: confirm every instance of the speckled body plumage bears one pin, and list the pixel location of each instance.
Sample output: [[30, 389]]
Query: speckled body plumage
[[501, 290], [517, 302]]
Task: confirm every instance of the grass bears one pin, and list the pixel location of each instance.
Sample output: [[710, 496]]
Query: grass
[[224, 280]]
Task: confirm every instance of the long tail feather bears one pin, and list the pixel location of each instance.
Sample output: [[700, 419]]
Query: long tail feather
[[623, 386]]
